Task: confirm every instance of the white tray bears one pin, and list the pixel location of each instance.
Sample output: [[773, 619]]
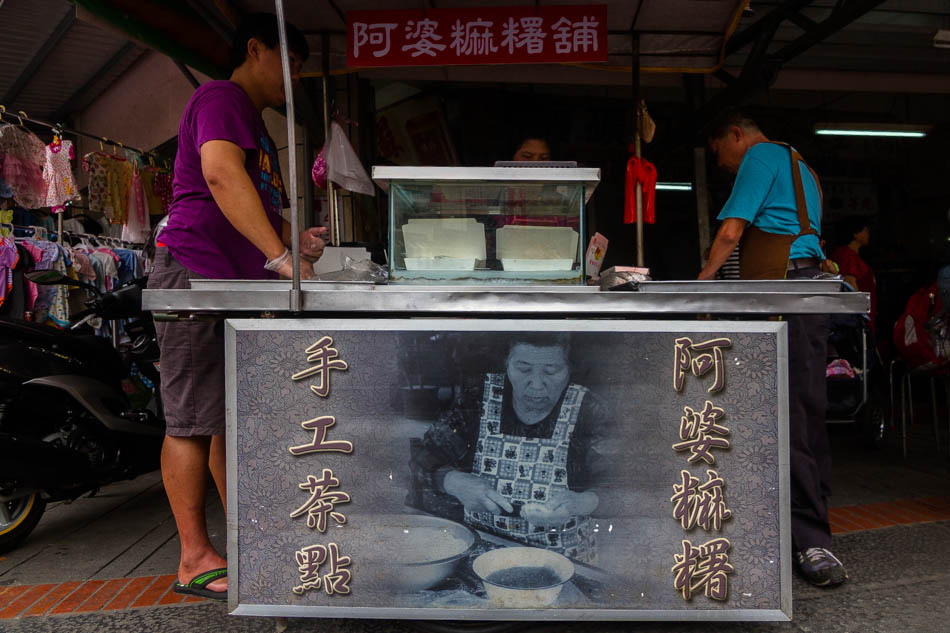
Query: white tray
[[440, 263], [537, 264]]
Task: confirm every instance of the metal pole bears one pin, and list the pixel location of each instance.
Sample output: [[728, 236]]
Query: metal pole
[[307, 182], [291, 157], [702, 199], [331, 189], [636, 142]]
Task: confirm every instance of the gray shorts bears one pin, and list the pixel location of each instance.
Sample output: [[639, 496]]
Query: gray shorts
[[192, 361]]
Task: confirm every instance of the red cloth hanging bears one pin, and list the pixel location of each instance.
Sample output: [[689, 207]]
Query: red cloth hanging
[[640, 171]]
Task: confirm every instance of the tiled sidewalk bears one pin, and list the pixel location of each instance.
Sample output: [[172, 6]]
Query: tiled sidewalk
[[91, 595], [873, 516], [132, 593]]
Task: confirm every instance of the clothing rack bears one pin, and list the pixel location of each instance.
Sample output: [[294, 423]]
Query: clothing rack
[[108, 241], [42, 233], [58, 128]]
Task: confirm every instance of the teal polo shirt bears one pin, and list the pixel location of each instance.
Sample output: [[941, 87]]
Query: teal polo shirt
[[764, 196]]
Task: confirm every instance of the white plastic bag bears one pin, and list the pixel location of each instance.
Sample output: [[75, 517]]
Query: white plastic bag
[[343, 165]]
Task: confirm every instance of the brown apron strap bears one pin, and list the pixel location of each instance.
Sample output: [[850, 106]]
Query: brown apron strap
[[804, 224]]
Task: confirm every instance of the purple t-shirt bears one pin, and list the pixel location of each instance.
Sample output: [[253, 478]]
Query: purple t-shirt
[[198, 235]]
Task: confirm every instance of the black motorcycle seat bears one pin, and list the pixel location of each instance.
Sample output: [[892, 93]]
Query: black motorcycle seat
[[95, 351]]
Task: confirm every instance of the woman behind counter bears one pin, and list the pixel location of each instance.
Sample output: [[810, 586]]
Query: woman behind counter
[[521, 453]]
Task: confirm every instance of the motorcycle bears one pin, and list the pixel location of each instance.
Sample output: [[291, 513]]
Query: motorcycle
[[76, 410]]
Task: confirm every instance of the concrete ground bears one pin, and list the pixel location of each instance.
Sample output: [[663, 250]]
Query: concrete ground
[[105, 563]]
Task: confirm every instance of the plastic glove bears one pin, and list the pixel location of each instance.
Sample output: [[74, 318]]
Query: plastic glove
[[286, 270], [312, 243]]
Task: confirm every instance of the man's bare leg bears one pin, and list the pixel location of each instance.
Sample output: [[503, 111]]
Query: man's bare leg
[[185, 474], [217, 463]]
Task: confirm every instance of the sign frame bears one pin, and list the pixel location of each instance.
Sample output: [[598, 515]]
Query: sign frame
[[426, 37], [779, 329]]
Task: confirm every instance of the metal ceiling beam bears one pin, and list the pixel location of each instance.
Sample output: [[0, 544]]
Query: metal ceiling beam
[[188, 75], [844, 13], [339, 12], [762, 67], [61, 29], [75, 100], [767, 23], [221, 27]]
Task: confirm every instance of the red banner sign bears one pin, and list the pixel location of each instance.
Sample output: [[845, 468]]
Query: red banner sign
[[490, 35]]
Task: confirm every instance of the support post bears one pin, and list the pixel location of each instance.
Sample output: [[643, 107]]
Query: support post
[[291, 158], [694, 88], [635, 80], [331, 189], [702, 199], [308, 218]]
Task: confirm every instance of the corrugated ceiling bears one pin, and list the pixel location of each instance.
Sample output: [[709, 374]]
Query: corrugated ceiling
[[45, 75], [53, 64]]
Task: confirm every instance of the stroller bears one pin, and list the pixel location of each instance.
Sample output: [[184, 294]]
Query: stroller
[[854, 379]]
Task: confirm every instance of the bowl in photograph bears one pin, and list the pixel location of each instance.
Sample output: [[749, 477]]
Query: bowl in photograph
[[423, 550], [523, 577]]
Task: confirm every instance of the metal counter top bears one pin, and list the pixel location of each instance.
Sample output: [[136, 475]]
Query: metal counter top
[[656, 297]]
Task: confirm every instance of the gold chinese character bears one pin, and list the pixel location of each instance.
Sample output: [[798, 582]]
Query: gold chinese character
[[323, 358], [309, 560], [703, 505], [321, 502], [320, 444], [696, 431], [699, 359], [703, 568]]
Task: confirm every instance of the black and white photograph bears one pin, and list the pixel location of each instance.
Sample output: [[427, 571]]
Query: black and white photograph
[[565, 466]]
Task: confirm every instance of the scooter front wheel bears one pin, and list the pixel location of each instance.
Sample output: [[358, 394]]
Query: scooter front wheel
[[18, 517]]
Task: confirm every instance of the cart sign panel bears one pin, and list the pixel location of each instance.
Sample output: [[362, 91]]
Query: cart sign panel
[[497, 469], [469, 36]]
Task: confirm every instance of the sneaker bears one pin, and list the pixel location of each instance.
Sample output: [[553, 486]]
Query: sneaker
[[820, 567]]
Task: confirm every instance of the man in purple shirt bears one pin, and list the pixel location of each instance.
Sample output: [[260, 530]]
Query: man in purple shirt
[[224, 223]]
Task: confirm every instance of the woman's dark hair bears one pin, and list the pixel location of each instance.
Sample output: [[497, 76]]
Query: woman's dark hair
[[849, 227], [263, 27], [532, 137], [541, 339]]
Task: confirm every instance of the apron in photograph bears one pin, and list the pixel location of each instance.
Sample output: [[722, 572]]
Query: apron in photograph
[[529, 470]]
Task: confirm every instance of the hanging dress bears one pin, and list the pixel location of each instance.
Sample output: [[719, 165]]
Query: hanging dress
[[24, 156], [58, 174]]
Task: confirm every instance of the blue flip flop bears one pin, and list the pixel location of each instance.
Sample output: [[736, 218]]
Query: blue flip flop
[[199, 585]]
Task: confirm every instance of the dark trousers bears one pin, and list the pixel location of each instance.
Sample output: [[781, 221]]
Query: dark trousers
[[809, 450]]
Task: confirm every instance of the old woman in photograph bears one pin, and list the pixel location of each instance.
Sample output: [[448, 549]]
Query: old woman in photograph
[[522, 453]]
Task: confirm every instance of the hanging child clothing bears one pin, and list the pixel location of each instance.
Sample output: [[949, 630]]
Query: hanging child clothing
[[110, 179], [137, 226], [9, 256], [58, 174], [51, 302], [22, 171], [163, 189]]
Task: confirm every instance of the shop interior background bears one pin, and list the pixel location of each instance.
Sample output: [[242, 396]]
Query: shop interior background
[[64, 64]]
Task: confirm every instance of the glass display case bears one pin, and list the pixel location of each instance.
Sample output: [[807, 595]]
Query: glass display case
[[487, 225]]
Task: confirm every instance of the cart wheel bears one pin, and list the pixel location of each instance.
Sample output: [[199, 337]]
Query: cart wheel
[[873, 423], [461, 626]]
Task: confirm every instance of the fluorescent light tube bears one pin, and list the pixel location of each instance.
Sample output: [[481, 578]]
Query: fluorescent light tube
[[892, 130], [674, 186]]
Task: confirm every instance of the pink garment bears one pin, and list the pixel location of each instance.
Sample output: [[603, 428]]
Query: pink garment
[[9, 256], [137, 225], [24, 157], [82, 265], [163, 189], [32, 291], [58, 175]]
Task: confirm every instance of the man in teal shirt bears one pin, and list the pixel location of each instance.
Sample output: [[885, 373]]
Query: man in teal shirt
[[764, 196]]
